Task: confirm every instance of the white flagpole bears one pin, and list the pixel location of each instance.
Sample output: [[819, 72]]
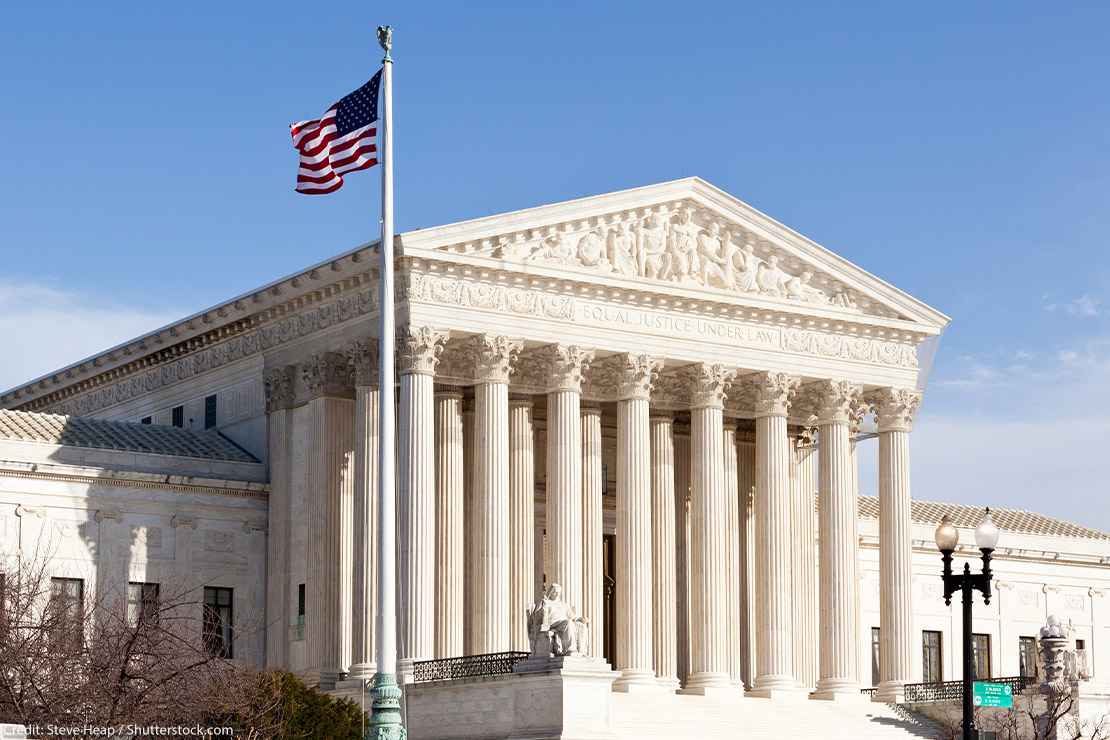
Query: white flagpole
[[385, 723]]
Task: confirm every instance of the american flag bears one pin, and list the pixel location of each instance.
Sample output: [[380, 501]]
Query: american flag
[[341, 141]]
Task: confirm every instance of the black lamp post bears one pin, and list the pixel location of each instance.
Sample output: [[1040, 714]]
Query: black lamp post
[[986, 537]]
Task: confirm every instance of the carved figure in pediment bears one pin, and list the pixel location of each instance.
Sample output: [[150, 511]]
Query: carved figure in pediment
[[772, 279], [716, 260], [800, 289], [591, 250], [553, 247], [655, 261], [842, 299], [684, 247], [747, 279], [622, 250]]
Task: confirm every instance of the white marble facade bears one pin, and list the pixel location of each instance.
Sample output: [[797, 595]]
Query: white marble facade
[[665, 365]]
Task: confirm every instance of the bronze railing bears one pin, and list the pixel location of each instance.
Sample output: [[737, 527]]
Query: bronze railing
[[466, 666], [922, 693]]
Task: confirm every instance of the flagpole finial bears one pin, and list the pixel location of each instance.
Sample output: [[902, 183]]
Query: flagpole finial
[[385, 39]]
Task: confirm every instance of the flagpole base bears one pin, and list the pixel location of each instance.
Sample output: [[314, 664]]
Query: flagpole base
[[385, 709]]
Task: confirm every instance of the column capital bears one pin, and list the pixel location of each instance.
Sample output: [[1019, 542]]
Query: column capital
[[565, 364], [637, 376], [894, 408], [837, 401], [708, 384], [327, 374], [661, 417], [448, 393], [774, 393], [362, 354], [280, 384], [589, 410], [418, 349], [519, 402], [491, 356]]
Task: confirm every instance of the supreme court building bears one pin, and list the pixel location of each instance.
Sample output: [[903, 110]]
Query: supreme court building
[[652, 397]]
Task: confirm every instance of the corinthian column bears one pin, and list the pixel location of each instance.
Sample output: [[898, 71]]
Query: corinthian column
[[839, 584], [682, 552], [522, 509], [326, 378], [775, 656], [745, 476], [593, 520], [493, 357], [709, 628], [634, 593], [566, 364], [663, 593], [418, 350], [894, 408], [733, 576], [279, 383], [363, 357], [804, 565], [449, 524]]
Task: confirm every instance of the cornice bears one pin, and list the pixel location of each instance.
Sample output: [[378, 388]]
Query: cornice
[[260, 492]]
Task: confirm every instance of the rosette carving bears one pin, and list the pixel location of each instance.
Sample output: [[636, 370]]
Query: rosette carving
[[418, 349]]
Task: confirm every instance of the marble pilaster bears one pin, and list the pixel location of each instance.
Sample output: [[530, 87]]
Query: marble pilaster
[[803, 567], [745, 477], [593, 520], [522, 524], [894, 409], [418, 354], [279, 385], [449, 524], [774, 653], [734, 576], [838, 508], [634, 570], [682, 552], [664, 596], [470, 604], [565, 365], [709, 654]]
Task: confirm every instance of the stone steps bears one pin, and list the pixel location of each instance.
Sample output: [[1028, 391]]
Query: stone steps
[[677, 717]]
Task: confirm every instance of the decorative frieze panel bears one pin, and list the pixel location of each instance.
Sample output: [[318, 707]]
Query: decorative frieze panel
[[676, 242]]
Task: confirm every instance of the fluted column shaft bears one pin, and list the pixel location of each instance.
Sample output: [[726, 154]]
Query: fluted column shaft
[[775, 625], [839, 583], [709, 643], [593, 520], [522, 525], [417, 357], [364, 593], [470, 603], [663, 593], [449, 524], [491, 498], [564, 469], [895, 409], [682, 554], [804, 565], [634, 570], [745, 476], [733, 576]]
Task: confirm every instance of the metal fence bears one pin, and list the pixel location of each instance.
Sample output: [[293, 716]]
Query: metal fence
[[466, 666], [920, 693]]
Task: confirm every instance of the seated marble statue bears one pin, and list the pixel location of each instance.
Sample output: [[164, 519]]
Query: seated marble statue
[[553, 628]]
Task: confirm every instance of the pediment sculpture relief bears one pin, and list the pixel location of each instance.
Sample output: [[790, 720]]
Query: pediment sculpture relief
[[682, 245]]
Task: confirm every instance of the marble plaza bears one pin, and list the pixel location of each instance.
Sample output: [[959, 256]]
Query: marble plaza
[[651, 397]]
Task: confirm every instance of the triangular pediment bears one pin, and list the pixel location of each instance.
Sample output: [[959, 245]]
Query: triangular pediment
[[684, 234]]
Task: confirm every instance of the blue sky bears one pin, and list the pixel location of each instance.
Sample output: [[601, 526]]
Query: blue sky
[[960, 151]]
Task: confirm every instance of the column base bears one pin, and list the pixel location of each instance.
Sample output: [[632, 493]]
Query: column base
[[839, 691], [635, 680], [669, 684], [777, 687], [362, 671], [890, 692], [710, 683]]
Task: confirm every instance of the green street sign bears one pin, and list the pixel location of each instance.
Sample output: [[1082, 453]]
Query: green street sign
[[992, 695]]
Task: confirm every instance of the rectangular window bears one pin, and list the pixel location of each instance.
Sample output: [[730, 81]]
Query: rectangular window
[[67, 610], [930, 657], [142, 603], [298, 624], [1080, 645], [178, 414], [147, 420], [981, 656], [218, 636], [874, 656], [210, 411], [1027, 657]]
